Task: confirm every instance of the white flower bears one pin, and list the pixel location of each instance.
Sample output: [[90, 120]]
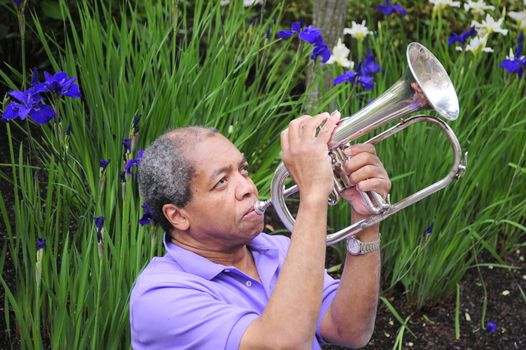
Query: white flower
[[339, 55], [519, 17], [489, 25], [248, 3], [357, 31], [441, 4], [477, 44], [477, 7]]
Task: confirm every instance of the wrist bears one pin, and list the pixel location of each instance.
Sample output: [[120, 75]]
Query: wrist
[[313, 196], [369, 234], [356, 246]]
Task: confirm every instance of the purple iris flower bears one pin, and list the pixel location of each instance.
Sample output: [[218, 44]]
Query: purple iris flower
[[369, 66], [365, 81], [133, 162], [135, 123], [310, 35], [517, 63], [321, 50], [349, 76], [363, 73], [34, 76], [491, 327], [18, 3], [147, 215], [41, 243], [99, 222], [463, 37], [429, 229], [127, 145], [59, 83], [295, 27], [390, 8], [103, 163], [29, 103]]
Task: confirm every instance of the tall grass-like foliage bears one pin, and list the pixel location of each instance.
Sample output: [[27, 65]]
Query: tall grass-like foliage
[[173, 63], [176, 63]]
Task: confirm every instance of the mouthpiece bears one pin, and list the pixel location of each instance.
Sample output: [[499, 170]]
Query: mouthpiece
[[261, 206]]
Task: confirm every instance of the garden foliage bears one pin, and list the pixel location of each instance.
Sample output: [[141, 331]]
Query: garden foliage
[[122, 73]]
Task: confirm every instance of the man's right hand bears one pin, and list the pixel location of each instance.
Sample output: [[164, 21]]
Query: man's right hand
[[306, 154]]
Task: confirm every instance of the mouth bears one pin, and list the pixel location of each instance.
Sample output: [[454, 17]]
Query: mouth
[[250, 213]]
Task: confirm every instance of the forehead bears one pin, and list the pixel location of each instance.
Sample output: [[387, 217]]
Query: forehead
[[212, 153]]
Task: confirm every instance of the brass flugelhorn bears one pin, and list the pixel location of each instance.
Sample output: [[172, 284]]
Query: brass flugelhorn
[[425, 85]]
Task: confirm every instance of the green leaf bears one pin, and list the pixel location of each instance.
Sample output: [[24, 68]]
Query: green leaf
[[51, 9]]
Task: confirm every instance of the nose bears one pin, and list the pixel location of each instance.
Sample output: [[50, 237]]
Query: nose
[[245, 188]]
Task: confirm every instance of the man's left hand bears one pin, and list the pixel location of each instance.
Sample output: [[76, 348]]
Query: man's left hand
[[367, 173]]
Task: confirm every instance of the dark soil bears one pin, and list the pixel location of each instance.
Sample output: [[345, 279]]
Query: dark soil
[[434, 328]]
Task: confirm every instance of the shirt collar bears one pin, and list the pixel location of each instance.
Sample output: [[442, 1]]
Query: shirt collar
[[195, 264]]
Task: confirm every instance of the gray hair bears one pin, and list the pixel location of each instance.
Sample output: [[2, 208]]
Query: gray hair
[[165, 171]]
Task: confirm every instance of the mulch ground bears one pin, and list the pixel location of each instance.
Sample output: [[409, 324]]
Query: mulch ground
[[434, 328]]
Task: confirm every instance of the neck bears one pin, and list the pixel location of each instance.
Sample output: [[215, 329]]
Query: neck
[[238, 256]]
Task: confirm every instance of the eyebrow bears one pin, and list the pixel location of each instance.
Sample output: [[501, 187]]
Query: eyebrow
[[227, 168]]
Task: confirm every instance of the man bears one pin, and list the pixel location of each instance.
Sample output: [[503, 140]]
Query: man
[[225, 285]]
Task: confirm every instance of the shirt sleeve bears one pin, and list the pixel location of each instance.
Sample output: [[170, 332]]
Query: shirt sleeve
[[181, 317], [330, 285]]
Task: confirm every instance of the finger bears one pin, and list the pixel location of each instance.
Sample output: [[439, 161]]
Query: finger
[[312, 126], [327, 130], [380, 186], [367, 172], [284, 136], [360, 148], [360, 160], [296, 126]]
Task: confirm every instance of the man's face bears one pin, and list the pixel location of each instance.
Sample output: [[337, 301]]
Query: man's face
[[223, 195]]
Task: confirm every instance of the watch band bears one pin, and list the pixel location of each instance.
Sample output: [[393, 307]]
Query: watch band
[[357, 247]]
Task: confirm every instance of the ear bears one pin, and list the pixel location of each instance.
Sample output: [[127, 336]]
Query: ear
[[176, 216]]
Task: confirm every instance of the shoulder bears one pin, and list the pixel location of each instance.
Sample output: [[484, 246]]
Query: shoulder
[[163, 273], [173, 309]]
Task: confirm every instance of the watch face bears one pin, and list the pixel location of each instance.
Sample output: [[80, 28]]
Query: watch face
[[354, 246]]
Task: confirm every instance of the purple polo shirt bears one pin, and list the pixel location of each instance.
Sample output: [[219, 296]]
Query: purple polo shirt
[[185, 301]]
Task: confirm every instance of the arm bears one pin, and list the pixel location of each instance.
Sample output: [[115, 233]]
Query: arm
[[289, 319], [350, 319]]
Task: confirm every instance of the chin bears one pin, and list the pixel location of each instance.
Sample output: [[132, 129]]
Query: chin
[[256, 231]]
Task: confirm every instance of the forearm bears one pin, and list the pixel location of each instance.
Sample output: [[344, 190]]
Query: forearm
[[352, 314], [291, 314]]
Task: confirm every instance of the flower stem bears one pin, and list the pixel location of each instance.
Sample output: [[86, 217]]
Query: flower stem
[[22, 30]]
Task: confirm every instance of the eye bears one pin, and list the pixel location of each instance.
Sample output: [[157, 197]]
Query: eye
[[221, 183], [244, 169]]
